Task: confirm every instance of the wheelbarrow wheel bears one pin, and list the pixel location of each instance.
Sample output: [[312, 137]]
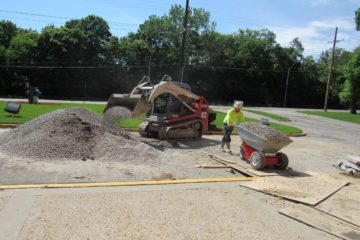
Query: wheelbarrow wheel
[[257, 160], [283, 161]]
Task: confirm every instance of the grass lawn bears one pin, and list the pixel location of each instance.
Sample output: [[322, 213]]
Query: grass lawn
[[31, 111], [344, 116], [280, 127], [270, 115], [129, 122]]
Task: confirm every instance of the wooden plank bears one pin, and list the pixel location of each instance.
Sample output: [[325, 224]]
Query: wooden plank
[[114, 184], [322, 221], [309, 190], [235, 166], [344, 204], [212, 166]]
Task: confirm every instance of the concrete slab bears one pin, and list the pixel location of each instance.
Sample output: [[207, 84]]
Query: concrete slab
[[14, 215], [201, 211]]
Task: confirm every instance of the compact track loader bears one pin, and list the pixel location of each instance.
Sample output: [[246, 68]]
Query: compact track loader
[[173, 111]]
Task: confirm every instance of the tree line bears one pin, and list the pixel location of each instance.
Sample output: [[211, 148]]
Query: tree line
[[83, 60]]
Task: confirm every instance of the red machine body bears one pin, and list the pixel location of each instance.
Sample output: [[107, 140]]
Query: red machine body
[[260, 160], [202, 112], [270, 160]]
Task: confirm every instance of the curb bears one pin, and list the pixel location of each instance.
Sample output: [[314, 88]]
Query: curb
[[234, 133], [296, 134], [3, 125]]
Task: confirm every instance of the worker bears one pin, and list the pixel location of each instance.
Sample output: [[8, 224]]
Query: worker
[[233, 116]]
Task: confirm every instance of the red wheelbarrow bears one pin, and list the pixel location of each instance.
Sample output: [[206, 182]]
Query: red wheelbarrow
[[261, 151]]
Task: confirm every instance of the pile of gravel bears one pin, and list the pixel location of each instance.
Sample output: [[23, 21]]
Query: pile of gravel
[[267, 132], [114, 114], [73, 133]]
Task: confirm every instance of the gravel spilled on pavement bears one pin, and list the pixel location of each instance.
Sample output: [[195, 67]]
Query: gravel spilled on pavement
[[75, 133]]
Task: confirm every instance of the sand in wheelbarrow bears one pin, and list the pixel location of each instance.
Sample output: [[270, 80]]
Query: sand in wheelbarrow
[[265, 131], [74, 133]]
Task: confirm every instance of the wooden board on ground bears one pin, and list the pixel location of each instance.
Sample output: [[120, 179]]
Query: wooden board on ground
[[235, 166], [211, 166], [354, 158], [322, 221], [344, 204], [309, 190]]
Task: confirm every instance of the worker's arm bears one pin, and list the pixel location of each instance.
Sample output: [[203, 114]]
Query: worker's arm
[[241, 117]]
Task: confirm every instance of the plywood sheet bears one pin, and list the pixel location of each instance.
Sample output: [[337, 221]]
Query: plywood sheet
[[345, 204], [309, 190], [322, 221]]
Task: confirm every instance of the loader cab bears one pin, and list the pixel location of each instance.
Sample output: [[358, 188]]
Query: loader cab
[[166, 106]]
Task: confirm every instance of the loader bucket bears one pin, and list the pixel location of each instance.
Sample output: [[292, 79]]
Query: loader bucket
[[136, 103]]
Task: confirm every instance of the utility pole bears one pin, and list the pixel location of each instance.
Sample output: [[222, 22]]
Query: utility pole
[[182, 51], [287, 82], [330, 71]]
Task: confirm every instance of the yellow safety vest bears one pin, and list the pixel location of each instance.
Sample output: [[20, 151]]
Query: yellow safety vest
[[233, 117]]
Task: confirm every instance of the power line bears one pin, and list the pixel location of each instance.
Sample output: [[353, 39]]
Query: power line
[[83, 67], [64, 18], [33, 20], [33, 14], [147, 66], [52, 22]]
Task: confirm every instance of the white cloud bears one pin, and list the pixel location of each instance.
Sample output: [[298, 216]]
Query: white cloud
[[345, 23], [316, 35]]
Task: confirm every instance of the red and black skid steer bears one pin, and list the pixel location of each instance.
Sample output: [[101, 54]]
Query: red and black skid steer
[[174, 112]]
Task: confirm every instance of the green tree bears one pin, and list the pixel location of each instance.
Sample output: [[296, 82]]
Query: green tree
[[338, 77], [163, 35], [351, 88], [96, 34], [61, 46], [7, 31], [23, 48], [357, 19]]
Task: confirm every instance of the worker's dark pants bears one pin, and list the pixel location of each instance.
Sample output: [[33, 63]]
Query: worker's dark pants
[[228, 130]]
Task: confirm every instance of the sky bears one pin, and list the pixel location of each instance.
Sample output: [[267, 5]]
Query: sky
[[312, 21]]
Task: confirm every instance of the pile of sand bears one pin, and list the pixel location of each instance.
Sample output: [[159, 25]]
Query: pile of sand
[[74, 133]]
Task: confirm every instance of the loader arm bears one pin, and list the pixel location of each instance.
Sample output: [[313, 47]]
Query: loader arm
[[142, 97]]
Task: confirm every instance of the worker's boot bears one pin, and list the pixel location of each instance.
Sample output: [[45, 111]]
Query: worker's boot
[[222, 147], [228, 147]]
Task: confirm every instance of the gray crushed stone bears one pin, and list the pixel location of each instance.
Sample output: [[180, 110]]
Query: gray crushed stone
[[74, 133], [114, 114], [267, 132]]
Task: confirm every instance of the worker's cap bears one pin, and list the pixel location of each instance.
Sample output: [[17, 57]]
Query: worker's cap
[[238, 104]]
